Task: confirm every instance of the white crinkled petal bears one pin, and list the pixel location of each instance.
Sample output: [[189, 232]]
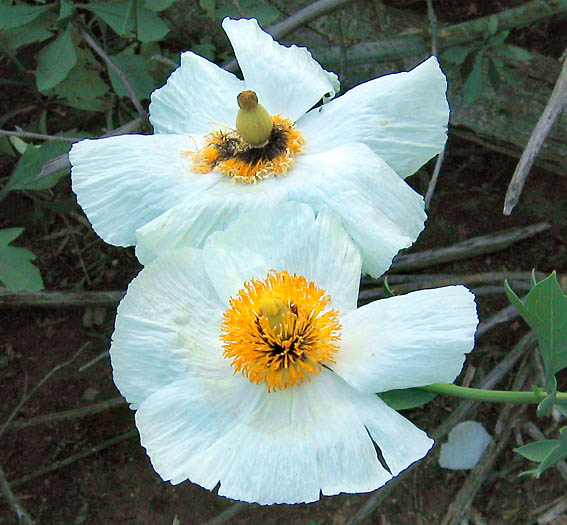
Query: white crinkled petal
[[287, 237], [198, 97], [167, 327], [281, 447], [127, 181], [192, 221], [287, 80], [378, 209], [403, 117], [408, 340]]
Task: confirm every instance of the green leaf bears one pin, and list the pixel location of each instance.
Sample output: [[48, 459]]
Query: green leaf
[[55, 61], [473, 83], [36, 31], [265, 14], [16, 270], [492, 25], [135, 68], [117, 15], [515, 53], [558, 453], [158, 5], [83, 88], [538, 450], [545, 309], [25, 176], [209, 6], [151, 27], [493, 74], [407, 398], [12, 16], [66, 10], [457, 54], [497, 40]]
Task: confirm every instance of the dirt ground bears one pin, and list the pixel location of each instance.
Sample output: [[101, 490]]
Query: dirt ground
[[118, 485]]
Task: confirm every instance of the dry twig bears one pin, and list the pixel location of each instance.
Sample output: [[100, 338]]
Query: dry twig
[[23, 516], [37, 136], [555, 105], [227, 514]]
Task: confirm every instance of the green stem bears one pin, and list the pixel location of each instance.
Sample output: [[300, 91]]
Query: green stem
[[493, 396]]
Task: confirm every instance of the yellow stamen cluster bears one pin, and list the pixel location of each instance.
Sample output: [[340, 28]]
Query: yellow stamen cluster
[[228, 153], [278, 330]]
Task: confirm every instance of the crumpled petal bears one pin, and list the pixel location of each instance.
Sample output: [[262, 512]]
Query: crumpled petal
[[402, 117], [377, 208], [198, 97], [408, 340], [127, 181], [167, 326], [192, 221], [287, 80], [283, 447], [286, 237]]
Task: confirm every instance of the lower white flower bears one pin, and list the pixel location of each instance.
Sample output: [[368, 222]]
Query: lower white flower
[[249, 364]]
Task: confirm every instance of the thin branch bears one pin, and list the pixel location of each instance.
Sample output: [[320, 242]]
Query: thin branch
[[9, 298], [553, 512], [62, 161], [303, 16], [26, 397], [164, 60], [433, 25], [75, 457], [227, 514], [100, 52], [23, 516], [502, 316], [555, 105], [466, 249], [65, 415], [38, 136], [434, 178]]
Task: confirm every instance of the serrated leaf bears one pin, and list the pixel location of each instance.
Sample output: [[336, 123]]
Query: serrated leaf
[[407, 398], [457, 54], [55, 61], [150, 26], [16, 270], [473, 83], [12, 16], [492, 24], [545, 309], [25, 176], [117, 15], [158, 5]]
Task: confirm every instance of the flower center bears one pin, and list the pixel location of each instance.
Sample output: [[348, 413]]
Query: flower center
[[261, 147], [279, 331]]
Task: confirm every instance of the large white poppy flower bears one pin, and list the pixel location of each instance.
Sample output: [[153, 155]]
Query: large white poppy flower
[[189, 179], [249, 364]]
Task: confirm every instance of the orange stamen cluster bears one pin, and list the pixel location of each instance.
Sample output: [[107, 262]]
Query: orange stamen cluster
[[278, 330], [229, 154]]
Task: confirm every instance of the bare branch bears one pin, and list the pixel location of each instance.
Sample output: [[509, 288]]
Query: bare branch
[[9, 298], [38, 136], [555, 105], [227, 514], [23, 516], [101, 53]]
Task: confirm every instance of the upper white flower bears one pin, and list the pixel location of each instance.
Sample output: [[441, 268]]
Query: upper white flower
[[249, 364], [174, 188]]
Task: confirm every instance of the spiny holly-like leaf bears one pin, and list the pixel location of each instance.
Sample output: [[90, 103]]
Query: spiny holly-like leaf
[[545, 310], [16, 270]]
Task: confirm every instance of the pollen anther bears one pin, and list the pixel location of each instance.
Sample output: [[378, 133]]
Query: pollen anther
[[279, 330]]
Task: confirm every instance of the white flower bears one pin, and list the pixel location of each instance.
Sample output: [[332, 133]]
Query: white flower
[[176, 187], [249, 364]]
